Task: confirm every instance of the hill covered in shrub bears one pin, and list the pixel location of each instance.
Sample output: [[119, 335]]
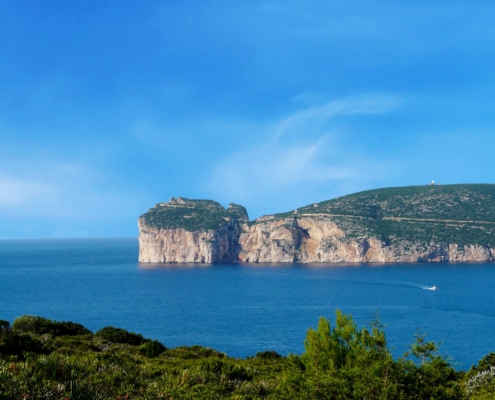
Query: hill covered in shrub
[[40, 359], [460, 214]]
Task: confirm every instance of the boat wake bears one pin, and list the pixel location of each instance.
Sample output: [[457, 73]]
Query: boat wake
[[430, 288]]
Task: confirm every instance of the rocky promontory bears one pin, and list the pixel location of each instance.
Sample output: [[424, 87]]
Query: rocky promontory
[[406, 224], [191, 231]]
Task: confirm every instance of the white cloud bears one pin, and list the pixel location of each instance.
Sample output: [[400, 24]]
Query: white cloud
[[315, 117], [270, 168], [302, 159]]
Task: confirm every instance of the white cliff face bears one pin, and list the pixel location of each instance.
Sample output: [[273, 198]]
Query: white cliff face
[[310, 240], [455, 253], [307, 239], [319, 239], [270, 241], [181, 246]]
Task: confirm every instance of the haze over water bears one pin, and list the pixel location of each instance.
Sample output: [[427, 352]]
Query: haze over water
[[244, 309]]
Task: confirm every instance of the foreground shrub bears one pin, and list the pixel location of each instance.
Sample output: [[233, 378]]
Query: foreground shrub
[[4, 326], [351, 363], [17, 344], [479, 382], [268, 355], [41, 326], [342, 362], [119, 335], [152, 348], [485, 363], [194, 352], [49, 377]]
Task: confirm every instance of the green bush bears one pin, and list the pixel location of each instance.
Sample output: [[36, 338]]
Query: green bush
[[485, 363], [4, 326], [348, 362], [119, 335], [152, 348], [17, 344], [238, 372], [194, 352], [268, 355], [41, 326], [212, 365]]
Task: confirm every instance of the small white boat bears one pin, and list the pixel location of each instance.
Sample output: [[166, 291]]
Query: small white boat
[[434, 288]]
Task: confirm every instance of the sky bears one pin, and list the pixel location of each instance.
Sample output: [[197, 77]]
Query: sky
[[108, 107]]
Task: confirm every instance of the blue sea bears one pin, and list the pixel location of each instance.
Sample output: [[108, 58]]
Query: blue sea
[[243, 309]]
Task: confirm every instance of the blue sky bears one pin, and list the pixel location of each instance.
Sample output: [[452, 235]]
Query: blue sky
[[108, 107]]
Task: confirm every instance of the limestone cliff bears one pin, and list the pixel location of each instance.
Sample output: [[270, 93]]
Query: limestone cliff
[[190, 231], [316, 239], [427, 224]]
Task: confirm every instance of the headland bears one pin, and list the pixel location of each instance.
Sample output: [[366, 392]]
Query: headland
[[434, 223]]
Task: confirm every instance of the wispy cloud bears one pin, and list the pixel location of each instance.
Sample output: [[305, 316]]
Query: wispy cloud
[[315, 117], [302, 158]]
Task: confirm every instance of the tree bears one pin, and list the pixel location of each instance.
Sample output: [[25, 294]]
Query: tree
[[431, 377], [345, 362]]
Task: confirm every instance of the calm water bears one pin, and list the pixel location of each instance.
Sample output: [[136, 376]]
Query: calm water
[[243, 309]]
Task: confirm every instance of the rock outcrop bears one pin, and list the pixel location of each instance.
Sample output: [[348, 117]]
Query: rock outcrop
[[178, 245], [210, 233], [318, 239], [453, 223]]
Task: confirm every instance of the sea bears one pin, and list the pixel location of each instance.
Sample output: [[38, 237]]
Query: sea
[[242, 309]]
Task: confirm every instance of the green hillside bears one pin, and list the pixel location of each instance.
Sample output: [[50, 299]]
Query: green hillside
[[463, 214], [446, 202], [45, 359], [193, 215]]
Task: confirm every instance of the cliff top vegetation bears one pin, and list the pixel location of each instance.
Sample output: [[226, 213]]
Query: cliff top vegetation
[[464, 202], [461, 214], [193, 215]]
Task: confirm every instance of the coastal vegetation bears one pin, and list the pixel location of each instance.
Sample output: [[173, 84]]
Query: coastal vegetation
[[413, 216], [44, 359], [459, 202], [193, 215], [458, 214]]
